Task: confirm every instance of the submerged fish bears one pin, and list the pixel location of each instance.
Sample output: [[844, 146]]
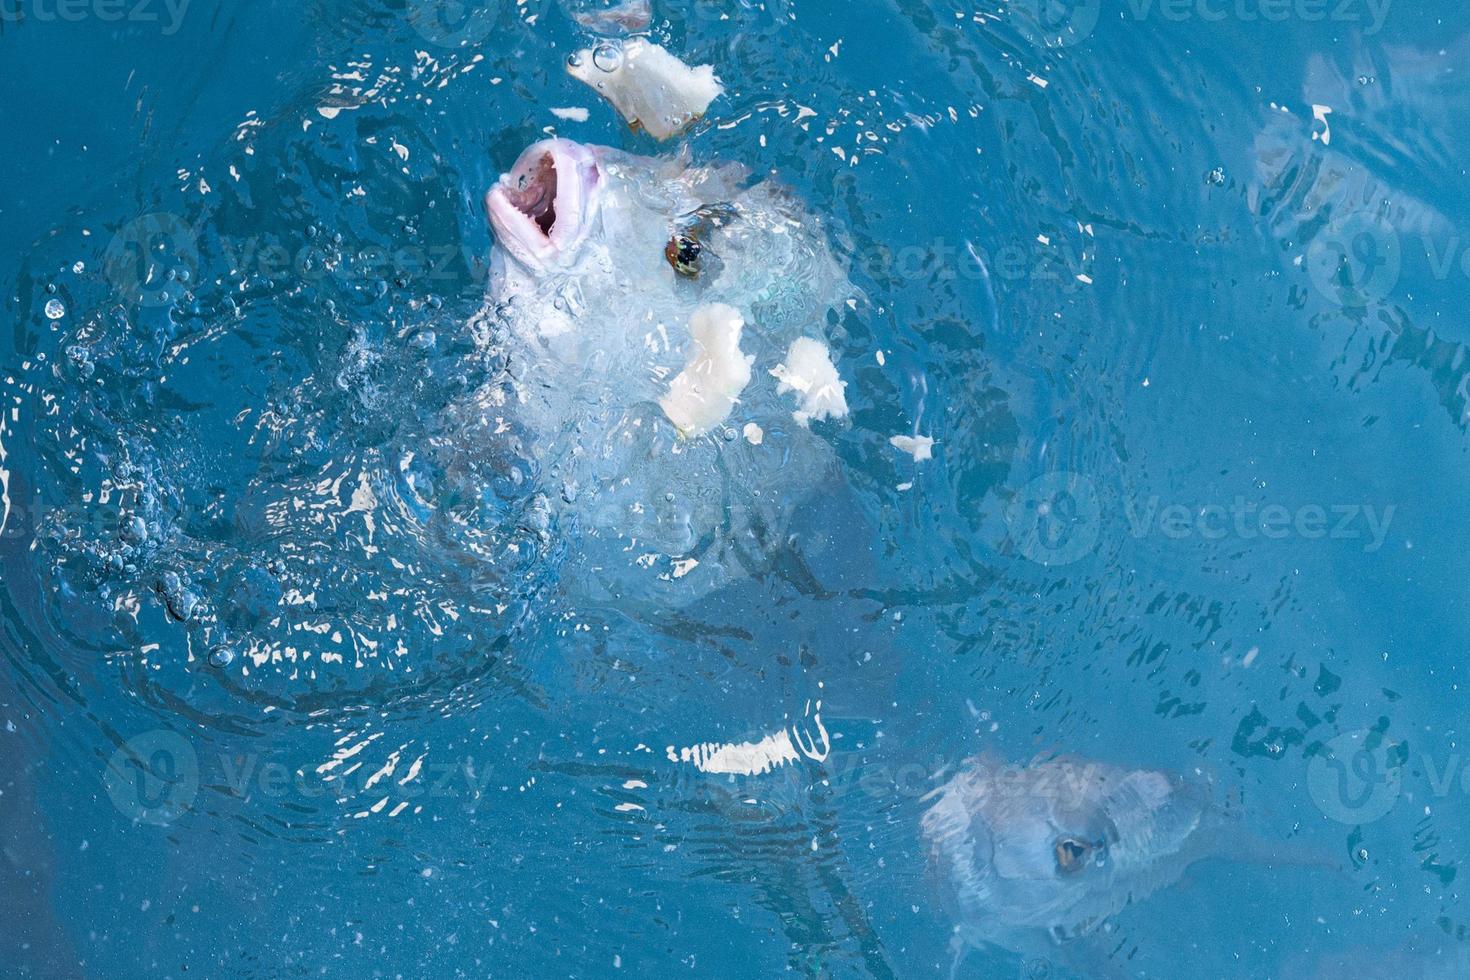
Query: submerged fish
[[610, 17], [644, 304], [1032, 857]]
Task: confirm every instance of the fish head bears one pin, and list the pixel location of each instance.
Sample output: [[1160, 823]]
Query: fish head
[[1055, 848], [545, 206]]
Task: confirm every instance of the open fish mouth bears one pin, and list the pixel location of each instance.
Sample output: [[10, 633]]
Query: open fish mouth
[[543, 208], [536, 197]]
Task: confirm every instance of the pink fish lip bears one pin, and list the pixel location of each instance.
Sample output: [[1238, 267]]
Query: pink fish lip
[[544, 207]]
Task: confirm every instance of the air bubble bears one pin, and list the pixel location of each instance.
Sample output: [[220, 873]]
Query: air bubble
[[607, 58], [134, 531], [178, 600], [55, 309], [221, 656]]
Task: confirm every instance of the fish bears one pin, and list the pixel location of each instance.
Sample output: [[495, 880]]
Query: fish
[[643, 304], [1029, 858]]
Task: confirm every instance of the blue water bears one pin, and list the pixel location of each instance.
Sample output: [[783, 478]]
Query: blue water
[[1179, 292]]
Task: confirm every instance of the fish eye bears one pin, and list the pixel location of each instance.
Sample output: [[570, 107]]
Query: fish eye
[[684, 254], [1072, 854]]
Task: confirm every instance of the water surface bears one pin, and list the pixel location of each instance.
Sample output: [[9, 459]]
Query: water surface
[[1177, 291]]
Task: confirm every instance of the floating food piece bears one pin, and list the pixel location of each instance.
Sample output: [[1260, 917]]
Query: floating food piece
[[919, 447], [702, 395], [810, 373], [806, 737], [652, 89]]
